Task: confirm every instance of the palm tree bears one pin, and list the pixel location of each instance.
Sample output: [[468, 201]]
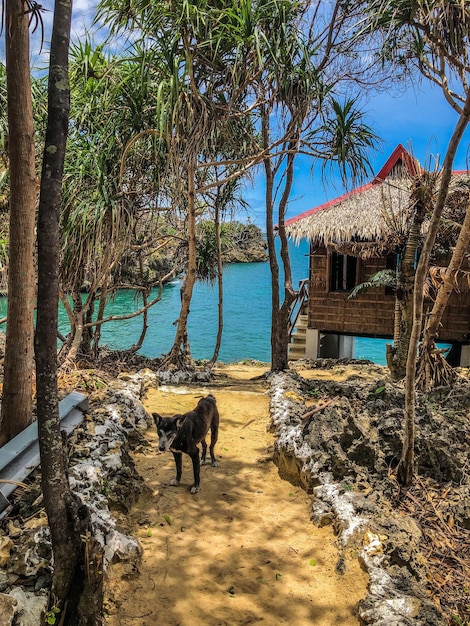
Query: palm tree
[[299, 73], [260, 60], [109, 206], [337, 146]]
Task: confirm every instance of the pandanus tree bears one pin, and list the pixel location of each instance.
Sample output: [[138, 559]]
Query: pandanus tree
[[224, 63], [299, 83], [432, 37], [108, 212], [199, 112], [95, 224]]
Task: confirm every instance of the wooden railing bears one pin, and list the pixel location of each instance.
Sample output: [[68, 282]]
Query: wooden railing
[[297, 307]]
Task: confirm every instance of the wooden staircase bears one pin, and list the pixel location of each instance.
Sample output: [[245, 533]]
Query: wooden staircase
[[298, 339], [298, 321]]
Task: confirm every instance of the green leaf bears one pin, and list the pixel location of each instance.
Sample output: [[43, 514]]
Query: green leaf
[[167, 518], [313, 562]]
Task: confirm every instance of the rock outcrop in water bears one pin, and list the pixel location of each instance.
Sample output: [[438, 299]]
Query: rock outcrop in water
[[243, 243]]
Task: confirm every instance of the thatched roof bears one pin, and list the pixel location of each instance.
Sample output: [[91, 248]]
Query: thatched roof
[[361, 215], [368, 219]]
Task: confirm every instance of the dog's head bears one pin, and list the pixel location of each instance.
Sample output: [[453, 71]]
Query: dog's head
[[167, 429]]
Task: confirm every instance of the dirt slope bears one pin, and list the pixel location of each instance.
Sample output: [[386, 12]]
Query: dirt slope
[[242, 551]]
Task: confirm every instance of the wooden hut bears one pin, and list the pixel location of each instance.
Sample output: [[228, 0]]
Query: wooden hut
[[352, 238]]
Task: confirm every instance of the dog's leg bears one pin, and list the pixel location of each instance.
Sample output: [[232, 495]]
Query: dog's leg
[[204, 450], [214, 437], [194, 454], [179, 468]]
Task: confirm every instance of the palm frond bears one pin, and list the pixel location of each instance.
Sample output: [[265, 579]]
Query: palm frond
[[384, 278]]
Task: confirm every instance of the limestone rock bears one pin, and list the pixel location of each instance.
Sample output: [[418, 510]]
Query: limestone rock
[[342, 453], [8, 609], [6, 545], [29, 607]]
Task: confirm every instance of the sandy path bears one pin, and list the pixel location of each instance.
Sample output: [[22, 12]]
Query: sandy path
[[242, 551]]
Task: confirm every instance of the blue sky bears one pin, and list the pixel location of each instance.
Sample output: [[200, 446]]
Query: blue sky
[[419, 118]]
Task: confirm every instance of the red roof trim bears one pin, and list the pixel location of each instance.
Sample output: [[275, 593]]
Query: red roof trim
[[399, 153], [329, 204]]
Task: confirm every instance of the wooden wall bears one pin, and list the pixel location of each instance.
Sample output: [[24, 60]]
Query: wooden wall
[[371, 313]]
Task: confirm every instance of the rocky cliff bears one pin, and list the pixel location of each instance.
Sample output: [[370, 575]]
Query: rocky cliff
[[242, 243], [248, 245]]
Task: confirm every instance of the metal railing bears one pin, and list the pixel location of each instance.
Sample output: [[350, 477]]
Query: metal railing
[[20, 456]]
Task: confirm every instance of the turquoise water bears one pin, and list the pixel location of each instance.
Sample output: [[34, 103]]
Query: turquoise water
[[247, 316]]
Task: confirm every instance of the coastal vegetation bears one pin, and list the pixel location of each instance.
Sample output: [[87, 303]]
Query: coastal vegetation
[[147, 148], [437, 38]]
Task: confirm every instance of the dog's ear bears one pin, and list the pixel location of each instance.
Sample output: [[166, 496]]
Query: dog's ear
[[157, 418], [178, 419]]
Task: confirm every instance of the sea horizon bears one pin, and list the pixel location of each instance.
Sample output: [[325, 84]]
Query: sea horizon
[[247, 316]]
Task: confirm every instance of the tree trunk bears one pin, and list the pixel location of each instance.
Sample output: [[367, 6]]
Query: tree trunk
[[145, 324], [70, 352], [277, 364], [406, 277], [220, 284], [145, 316], [280, 357], [57, 496], [390, 349], [16, 412], [180, 348], [273, 264], [405, 469], [101, 309]]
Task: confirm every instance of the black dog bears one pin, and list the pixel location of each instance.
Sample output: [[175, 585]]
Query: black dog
[[182, 433]]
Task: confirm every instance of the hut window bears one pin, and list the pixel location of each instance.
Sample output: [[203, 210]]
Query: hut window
[[391, 264], [343, 271]]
